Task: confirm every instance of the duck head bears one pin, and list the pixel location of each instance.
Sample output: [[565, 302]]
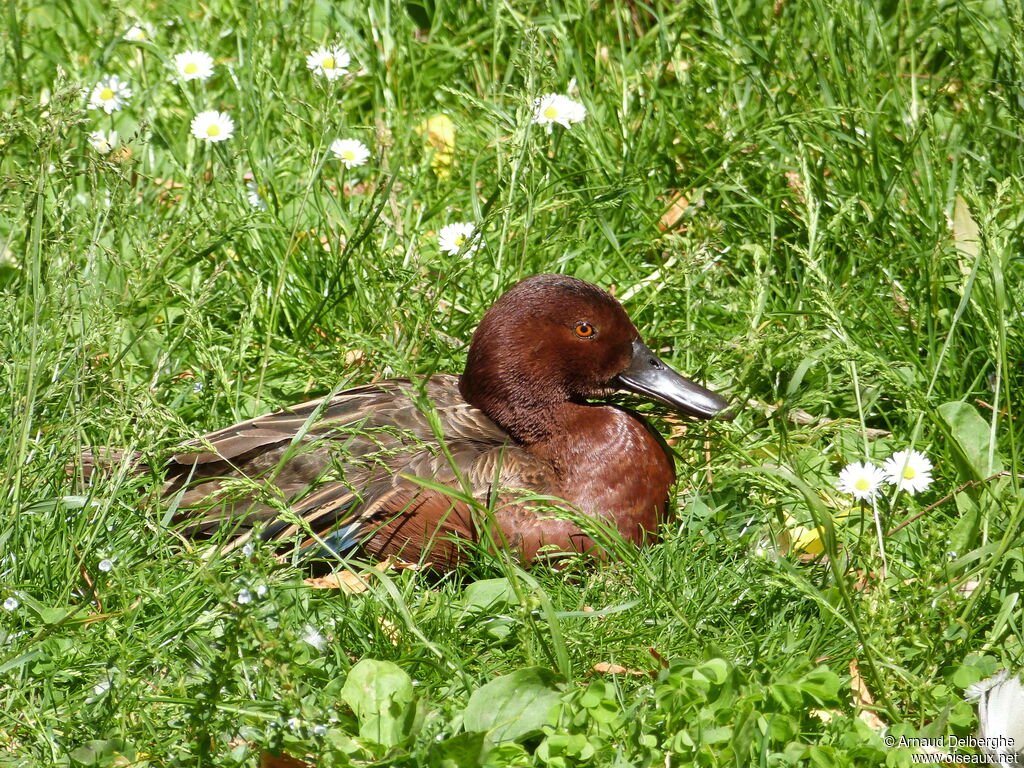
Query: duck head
[[555, 339]]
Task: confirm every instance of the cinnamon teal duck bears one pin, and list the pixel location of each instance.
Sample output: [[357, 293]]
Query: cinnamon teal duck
[[410, 468]]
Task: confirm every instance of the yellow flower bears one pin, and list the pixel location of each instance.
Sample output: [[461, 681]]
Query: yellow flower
[[440, 132]]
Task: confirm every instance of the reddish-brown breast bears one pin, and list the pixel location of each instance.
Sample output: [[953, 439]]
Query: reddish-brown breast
[[611, 467]]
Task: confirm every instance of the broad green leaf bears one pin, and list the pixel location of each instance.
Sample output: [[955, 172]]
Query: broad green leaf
[[467, 750], [105, 752], [489, 594], [381, 696], [965, 533], [972, 436], [514, 705], [715, 670]]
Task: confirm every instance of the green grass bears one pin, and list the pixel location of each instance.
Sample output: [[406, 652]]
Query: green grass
[[849, 264]]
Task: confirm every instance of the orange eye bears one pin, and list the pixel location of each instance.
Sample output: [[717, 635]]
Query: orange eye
[[585, 330]]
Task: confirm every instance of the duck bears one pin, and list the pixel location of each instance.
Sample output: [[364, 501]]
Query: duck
[[423, 469]]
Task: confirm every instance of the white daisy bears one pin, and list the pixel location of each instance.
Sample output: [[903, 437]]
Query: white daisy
[[194, 65], [212, 126], [139, 33], [330, 61], [910, 471], [103, 141], [110, 94], [11, 604], [351, 152], [257, 201], [555, 108], [459, 238], [862, 480]]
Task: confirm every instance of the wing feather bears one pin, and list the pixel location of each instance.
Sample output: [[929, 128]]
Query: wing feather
[[348, 476]]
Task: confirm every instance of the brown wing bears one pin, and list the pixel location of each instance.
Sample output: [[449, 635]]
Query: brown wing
[[348, 467]]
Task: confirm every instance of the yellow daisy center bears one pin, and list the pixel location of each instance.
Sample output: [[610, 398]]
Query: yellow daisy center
[[909, 473], [191, 68], [107, 94], [213, 130], [459, 240], [349, 155], [328, 62], [862, 484], [550, 113]]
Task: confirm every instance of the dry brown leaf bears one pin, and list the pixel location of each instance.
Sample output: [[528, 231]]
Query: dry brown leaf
[[670, 218], [967, 588], [658, 657], [165, 195], [865, 579], [607, 668], [390, 630], [862, 698], [825, 715], [347, 581], [402, 565], [284, 760]]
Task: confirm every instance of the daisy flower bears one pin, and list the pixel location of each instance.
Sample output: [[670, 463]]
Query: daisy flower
[[351, 152], [910, 471], [212, 126], [257, 201], [138, 33], [862, 480], [329, 61], [554, 108], [103, 141], [194, 65], [456, 238], [110, 94]]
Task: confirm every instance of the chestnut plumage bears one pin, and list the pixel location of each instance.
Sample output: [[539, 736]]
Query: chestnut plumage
[[366, 469]]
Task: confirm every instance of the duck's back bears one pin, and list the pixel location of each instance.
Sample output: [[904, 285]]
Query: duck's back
[[365, 468]]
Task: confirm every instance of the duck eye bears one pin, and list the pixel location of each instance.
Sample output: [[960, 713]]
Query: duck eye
[[585, 330]]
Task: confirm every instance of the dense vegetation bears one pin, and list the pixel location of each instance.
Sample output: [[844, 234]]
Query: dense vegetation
[[814, 207]]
